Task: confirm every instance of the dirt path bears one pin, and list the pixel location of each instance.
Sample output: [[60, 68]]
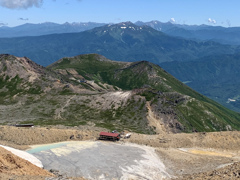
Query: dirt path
[[61, 110], [154, 122]]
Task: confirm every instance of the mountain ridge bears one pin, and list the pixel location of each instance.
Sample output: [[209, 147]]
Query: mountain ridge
[[119, 42], [224, 35], [154, 85], [46, 28], [92, 90]]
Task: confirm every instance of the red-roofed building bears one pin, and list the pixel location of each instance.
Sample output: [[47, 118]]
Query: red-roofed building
[[109, 136]]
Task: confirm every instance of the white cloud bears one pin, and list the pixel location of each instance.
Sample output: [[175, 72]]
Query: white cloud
[[212, 21], [20, 4], [172, 20]]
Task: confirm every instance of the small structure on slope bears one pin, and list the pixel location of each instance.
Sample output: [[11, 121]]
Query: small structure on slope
[[109, 136], [128, 135], [24, 125]]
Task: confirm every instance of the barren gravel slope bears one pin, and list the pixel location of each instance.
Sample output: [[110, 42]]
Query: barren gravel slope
[[230, 172]]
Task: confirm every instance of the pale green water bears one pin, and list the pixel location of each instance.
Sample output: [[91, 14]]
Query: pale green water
[[46, 147]]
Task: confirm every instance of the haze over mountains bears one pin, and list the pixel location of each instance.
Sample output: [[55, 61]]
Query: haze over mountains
[[46, 28], [230, 35], [203, 62], [215, 76], [123, 42]]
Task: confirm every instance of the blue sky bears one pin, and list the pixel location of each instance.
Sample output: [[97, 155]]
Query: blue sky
[[212, 12]]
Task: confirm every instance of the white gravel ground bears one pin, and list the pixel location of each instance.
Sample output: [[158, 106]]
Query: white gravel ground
[[102, 160]]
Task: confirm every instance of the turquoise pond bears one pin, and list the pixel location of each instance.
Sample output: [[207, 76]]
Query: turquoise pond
[[46, 147]]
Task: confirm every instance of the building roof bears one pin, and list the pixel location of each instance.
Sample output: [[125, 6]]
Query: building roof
[[109, 134]]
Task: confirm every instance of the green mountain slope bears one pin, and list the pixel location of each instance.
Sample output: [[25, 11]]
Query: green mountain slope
[[215, 76], [174, 104], [94, 91]]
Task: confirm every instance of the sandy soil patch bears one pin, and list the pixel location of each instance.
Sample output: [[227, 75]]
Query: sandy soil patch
[[21, 138], [209, 153], [24, 155], [14, 165]]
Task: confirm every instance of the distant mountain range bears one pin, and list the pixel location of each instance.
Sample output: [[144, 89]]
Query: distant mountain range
[[123, 42], [45, 29], [230, 35], [93, 90]]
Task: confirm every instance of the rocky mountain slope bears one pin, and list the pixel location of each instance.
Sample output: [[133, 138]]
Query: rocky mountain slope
[[92, 90], [20, 76], [230, 172], [123, 42]]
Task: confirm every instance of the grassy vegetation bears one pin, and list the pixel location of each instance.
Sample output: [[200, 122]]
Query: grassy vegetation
[[12, 85], [66, 91], [87, 66], [131, 117], [126, 79], [164, 93], [192, 115], [149, 95]]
